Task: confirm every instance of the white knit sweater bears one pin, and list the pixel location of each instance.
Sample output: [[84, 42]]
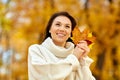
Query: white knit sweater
[[50, 62]]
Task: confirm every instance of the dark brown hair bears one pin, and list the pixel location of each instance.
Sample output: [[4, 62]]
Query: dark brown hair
[[66, 14]]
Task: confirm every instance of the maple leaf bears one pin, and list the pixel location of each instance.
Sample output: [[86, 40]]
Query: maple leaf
[[82, 33]]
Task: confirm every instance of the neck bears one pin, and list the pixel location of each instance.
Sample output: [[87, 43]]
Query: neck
[[59, 44], [58, 51]]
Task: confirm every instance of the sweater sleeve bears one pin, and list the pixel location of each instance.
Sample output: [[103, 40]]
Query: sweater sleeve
[[39, 68], [85, 64]]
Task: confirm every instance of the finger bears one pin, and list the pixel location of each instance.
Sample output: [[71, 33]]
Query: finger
[[83, 41], [82, 46], [85, 49]]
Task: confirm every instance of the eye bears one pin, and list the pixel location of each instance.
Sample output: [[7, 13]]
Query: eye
[[67, 26], [57, 24]]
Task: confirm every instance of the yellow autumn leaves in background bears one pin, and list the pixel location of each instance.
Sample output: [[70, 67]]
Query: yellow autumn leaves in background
[[23, 22]]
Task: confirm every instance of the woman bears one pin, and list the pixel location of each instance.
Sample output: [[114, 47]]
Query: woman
[[57, 58]]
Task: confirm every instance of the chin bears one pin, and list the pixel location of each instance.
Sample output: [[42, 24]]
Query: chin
[[60, 40]]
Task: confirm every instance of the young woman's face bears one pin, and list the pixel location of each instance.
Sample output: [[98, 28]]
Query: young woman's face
[[61, 30]]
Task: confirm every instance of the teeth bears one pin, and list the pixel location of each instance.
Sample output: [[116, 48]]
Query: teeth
[[60, 34]]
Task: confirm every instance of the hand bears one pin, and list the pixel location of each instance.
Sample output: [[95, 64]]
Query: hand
[[81, 49]]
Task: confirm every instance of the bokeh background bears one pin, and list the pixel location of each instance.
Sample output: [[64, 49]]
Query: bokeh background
[[22, 23]]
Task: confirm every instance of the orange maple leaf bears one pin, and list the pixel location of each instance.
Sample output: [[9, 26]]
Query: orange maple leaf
[[79, 35]]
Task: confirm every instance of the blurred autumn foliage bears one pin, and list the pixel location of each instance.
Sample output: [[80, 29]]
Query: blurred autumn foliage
[[22, 23]]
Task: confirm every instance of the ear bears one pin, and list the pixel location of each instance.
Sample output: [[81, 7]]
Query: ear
[[49, 31]]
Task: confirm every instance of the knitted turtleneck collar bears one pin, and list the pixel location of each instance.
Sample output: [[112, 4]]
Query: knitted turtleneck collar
[[56, 50]]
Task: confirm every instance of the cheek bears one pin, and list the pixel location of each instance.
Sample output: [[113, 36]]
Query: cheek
[[69, 32], [52, 30]]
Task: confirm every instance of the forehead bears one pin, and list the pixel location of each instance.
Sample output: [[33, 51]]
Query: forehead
[[62, 19]]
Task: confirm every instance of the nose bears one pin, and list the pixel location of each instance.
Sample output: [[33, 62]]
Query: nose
[[62, 28]]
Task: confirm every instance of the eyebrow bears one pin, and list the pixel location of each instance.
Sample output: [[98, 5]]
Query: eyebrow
[[65, 24]]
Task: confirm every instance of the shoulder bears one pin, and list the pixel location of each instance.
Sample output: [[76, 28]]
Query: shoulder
[[34, 47]]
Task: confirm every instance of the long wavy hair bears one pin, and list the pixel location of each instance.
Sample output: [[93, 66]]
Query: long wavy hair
[[66, 14]]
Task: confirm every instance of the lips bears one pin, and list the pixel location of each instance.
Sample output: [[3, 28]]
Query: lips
[[61, 34]]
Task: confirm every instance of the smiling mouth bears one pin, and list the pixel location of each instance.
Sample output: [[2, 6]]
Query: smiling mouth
[[60, 34]]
